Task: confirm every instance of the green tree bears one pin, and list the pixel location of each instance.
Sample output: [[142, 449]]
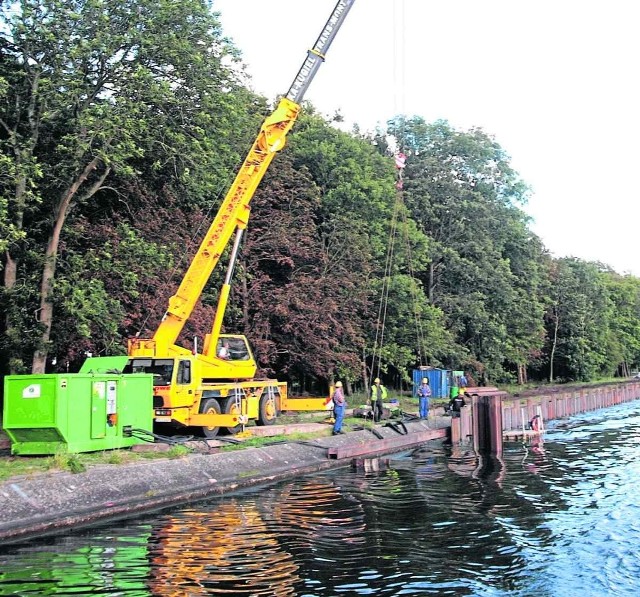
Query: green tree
[[577, 321], [89, 86], [624, 323], [484, 262]]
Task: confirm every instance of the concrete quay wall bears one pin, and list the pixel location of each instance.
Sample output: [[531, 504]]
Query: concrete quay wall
[[56, 502]]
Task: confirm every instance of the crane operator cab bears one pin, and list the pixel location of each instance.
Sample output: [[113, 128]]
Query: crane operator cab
[[233, 360], [233, 348]]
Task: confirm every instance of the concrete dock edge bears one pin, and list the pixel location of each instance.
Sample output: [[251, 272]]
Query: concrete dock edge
[[52, 503]]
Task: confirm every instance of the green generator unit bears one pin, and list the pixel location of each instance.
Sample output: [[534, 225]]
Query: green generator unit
[[76, 412]]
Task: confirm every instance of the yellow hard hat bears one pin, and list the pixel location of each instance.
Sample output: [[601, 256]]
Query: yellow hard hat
[[338, 384], [376, 380]]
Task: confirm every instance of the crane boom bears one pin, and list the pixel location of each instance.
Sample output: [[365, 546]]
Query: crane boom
[[233, 214], [315, 56]]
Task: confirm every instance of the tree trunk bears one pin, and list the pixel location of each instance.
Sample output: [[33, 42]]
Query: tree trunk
[[365, 381], [46, 302], [348, 388], [49, 269], [522, 374], [11, 266], [520, 377], [553, 346], [432, 282], [46, 286], [10, 275]]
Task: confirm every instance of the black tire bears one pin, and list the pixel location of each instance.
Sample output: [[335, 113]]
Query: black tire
[[232, 407], [210, 405], [268, 409]]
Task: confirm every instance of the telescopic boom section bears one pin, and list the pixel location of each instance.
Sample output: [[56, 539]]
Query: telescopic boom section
[[316, 55], [234, 212]]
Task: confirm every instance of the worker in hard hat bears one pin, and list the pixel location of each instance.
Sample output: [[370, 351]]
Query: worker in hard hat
[[378, 396], [456, 403], [339, 406], [424, 393]]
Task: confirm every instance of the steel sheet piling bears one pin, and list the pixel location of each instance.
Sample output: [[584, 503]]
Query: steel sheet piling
[[566, 403]]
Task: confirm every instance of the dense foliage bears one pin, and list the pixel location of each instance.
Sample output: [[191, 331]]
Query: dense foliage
[[121, 125]]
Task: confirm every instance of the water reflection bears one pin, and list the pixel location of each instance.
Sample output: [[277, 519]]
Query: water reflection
[[228, 550], [534, 460], [113, 563], [554, 517]]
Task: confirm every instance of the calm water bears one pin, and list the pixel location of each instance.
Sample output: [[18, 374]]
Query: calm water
[[562, 518]]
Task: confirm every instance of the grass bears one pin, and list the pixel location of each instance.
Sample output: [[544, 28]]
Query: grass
[[29, 466], [259, 442], [178, 451], [70, 462], [20, 466], [61, 461]]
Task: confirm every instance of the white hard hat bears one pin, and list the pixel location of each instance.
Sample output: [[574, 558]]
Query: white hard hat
[[338, 384], [376, 380]]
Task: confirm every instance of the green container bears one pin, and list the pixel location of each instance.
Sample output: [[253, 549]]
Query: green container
[[77, 412]]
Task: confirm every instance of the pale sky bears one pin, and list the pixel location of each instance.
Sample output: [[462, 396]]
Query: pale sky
[[554, 81]]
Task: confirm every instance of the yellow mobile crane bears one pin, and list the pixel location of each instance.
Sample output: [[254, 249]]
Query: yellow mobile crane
[[217, 387]]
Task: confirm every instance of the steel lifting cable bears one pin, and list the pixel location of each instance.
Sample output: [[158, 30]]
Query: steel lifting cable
[[384, 298], [398, 84], [400, 165], [184, 256], [400, 162], [400, 158], [414, 293], [398, 55], [400, 212]]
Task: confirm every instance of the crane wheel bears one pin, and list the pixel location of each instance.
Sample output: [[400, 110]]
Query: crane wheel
[[232, 407], [268, 410], [210, 406]]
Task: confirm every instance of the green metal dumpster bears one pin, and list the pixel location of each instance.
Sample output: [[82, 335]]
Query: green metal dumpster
[[76, 412]]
